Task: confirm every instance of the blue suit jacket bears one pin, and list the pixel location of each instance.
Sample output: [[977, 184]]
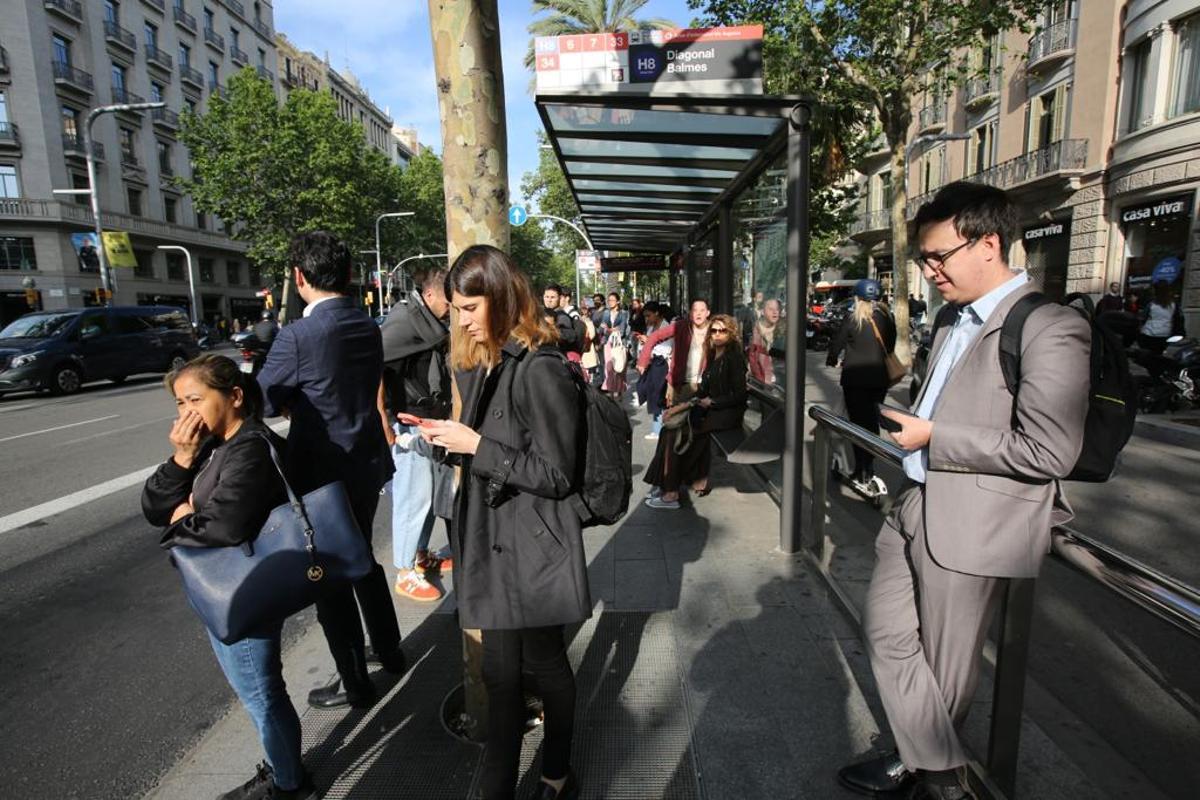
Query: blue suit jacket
[[325, 370]]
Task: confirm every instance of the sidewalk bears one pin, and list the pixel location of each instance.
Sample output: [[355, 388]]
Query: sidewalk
[[713, 667]]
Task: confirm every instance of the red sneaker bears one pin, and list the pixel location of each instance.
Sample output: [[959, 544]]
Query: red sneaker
[[412, 585]]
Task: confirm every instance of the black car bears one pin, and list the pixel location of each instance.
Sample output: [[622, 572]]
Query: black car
[[60, 350]]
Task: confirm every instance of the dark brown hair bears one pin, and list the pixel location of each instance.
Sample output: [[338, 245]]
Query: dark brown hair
[[977, 209], [222, 374]]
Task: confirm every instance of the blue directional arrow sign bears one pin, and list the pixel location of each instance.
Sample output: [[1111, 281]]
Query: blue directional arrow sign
[[517, 215]]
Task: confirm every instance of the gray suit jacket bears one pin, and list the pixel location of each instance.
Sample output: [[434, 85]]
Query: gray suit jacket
[[992, 492]]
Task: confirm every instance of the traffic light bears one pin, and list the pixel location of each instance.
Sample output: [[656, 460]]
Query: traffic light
[[31, 298], [102, 295], [269, 301], [370, 298]]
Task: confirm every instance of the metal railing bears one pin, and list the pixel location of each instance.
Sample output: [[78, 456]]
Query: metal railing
[[263, 72], [238, 55], [982, 87], [184, 19], [1158, 594], [217, 89], [159, 5], [119, 36], [931, 117], [1060, 156], [1058, 39], [73, 146], [215, 39], [236, 7], [71, 8], [122, 95], [264, 30], [155, 56], [877, 220], [77, 78], [165, 117], [192, 76], [9, 133]]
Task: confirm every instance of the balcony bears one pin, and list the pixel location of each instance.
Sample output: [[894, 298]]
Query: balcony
[[264, 30], [1064, 156], [932, 118], [68, 77], [158, 5], [155, 57], [185, 20], [165, 118], [1051, 45], [191, 76], [238, 56], [122, 95], [10, 137], [982, 91], [871, 224], [236, 7], [117, 36], [165, 172], [914, 203], [217, 89], [69, 9], [214, 40], [265, 73], [73, 147]]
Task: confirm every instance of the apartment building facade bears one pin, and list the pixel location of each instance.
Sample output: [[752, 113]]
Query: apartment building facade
[[62, 58], [304, 70], [1092, 124]]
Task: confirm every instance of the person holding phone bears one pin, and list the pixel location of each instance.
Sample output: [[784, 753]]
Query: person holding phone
[[866, 337], [217, 490], [520, 570]]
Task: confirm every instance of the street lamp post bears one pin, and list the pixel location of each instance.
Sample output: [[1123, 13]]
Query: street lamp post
[[378, 257], [105, 278], [584, 236], [191, 278]]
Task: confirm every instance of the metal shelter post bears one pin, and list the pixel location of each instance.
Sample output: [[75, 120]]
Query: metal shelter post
[[723, 277], [791, 521], [672, 285]]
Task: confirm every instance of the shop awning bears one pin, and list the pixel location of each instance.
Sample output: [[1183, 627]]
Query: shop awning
[[646, 170]]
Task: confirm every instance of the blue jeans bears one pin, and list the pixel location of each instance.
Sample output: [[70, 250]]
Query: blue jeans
[[412, 498], [255, 671], [656, 423]]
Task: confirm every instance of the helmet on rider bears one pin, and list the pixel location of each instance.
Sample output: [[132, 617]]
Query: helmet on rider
[[267, 314], [868, 289]]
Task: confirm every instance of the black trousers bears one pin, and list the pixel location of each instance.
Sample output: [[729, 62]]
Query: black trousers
[[860, 409], [506, 654], [338, 613]]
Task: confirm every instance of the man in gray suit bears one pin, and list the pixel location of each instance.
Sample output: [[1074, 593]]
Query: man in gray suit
[[982, 493]]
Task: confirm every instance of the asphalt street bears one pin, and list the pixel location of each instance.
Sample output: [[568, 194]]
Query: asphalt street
[[106, 677]]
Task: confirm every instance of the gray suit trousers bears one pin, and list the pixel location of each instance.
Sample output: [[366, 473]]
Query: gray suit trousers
[[925, 628]]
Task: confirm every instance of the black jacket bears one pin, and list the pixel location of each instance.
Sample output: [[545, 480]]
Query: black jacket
[[416, 378], [570, 331], [518, 544], [863, 367], [234, 484], [724, 382]]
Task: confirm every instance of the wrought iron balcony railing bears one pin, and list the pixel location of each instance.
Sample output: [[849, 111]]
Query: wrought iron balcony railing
[[115, 34], [983, 89], [71, 9], [932, 117], [192, 76], [184, 19], [65, 74], [9, 135], [265, 73], [73, 146], [238, 55], [1065, 155], [155, 57], [1056, 41], [215, 39]]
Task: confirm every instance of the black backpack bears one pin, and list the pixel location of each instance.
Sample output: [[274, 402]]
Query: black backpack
[[606, 482], [1112, 399]]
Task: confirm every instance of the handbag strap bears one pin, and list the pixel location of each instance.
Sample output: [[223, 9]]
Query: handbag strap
[[878, 338], [294, 500]]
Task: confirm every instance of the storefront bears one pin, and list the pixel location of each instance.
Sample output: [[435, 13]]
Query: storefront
[[1047, 253], [1156, 234]]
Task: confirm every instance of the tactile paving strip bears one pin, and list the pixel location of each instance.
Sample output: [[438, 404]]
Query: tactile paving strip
[[632, 728]]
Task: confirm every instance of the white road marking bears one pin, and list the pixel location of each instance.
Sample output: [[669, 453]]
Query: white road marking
[[115, 430], [75, 499], [19, 408], [59, 428]]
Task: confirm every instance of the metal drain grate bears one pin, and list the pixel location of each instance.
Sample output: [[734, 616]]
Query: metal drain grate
[[632, 728]]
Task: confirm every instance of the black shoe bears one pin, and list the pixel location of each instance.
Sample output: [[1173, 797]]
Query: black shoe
[[393, 662], [331, 696], [305, 791], [257, 788], [569, 790], [879, 776], [951, 786]]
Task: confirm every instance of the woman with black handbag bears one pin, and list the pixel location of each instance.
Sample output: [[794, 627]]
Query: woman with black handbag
[[684, 453], [217, 490], [520, 572]]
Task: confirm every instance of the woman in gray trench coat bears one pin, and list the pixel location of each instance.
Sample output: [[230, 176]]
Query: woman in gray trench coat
[[519, 571]]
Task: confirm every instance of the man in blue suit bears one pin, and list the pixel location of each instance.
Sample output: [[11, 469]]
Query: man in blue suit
[[323, 372]]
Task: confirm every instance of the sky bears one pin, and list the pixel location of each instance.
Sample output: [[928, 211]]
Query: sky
[[387, 45]]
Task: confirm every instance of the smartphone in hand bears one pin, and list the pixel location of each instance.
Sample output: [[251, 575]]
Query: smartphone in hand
[[887, 423], [410, 419]]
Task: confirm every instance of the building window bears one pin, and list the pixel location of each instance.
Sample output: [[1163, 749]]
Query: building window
[[151, 35], [62, 50], [983, 148], [175, 267], [134, 198], [190, 105], [206, 270], [1187, 68], [179, 5], [70, 122], [128, 146], [1141, 89], [170, 209], [9, 189], [233, 272], [185, 55], [118, 82], [235, 38], [209, 20], [156, 92], [16, 252], [201, 220], [1047, 120], [213, 73], [110, 12], [258, 12], [79, 181], [145, 263], [255, 275]]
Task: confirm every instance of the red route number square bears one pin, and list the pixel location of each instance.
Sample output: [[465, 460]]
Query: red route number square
[[594, 42], [570, 44], [547, 62], [618, 41]]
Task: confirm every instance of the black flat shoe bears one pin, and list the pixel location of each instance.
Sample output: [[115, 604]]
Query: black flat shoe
[[569, 791], [331, 696], [880, 777], [394, 662]]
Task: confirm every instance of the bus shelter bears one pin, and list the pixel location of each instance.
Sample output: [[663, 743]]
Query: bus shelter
[[716, 185]]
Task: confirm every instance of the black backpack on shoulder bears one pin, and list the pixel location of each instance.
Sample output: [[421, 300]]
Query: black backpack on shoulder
[[1113, 396], [606, 482]]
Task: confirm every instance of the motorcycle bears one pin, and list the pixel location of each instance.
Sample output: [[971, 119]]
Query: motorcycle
[[1168, 381], [254, 352]]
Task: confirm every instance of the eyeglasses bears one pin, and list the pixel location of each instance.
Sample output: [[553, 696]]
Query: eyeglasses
[[719, 330], [937, 261]]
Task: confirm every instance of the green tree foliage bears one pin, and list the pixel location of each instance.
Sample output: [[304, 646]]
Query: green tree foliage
[[274, 170], [877, 55], [569, 17]]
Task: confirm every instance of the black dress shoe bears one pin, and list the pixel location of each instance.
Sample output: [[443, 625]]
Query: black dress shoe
[[394, 662], [880, 776], [569, 790]]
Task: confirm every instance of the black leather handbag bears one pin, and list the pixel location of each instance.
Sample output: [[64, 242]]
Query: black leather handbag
[[305, 547]]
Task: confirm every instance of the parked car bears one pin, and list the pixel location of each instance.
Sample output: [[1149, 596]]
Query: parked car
[[59, 351]]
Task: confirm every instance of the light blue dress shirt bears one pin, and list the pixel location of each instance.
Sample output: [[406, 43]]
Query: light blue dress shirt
[[970, 322]]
